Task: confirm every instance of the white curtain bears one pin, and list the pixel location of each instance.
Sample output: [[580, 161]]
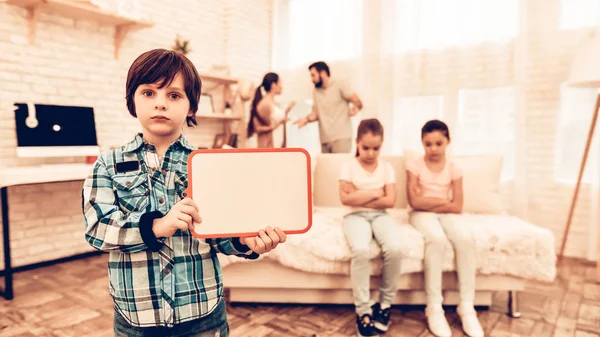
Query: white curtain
[[494, 70]]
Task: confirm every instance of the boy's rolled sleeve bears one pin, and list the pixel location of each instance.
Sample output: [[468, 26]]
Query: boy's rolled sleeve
[[107, 227], [231, 246]]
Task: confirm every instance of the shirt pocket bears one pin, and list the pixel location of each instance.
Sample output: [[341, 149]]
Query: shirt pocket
[[180, 186], [132, 191]]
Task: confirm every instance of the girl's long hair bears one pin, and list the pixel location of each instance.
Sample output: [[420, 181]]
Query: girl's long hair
[[267, 82]]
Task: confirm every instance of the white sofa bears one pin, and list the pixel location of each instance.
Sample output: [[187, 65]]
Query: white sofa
[[315, 267]]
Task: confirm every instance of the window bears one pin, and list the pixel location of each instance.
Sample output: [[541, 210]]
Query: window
[[312, 30], [486, 125], [410, 113], [574, 117], [437, 24], [576, 14]]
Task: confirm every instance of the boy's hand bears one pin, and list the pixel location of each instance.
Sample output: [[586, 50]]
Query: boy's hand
[[181, 216], [266, 240]]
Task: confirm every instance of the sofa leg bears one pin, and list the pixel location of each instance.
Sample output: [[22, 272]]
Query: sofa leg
[[513, 304]]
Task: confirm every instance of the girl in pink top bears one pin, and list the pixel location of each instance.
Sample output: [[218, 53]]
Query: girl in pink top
[[434, 193]]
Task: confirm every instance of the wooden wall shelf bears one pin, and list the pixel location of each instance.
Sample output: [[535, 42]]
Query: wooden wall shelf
[[219, 116], [82, 10], [218, 79], [221, 90]]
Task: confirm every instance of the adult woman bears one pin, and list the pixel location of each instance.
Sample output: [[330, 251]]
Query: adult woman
[[265, 115]]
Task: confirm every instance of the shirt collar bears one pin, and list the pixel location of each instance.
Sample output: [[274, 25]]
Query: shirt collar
[[138, 141]]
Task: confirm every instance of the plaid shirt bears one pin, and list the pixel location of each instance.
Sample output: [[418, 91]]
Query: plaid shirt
[[157, 282]]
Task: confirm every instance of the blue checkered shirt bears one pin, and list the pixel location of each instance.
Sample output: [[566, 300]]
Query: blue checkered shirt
[[163, 281]]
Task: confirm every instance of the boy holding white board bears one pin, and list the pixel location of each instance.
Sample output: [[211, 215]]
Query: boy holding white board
[[163, 280]]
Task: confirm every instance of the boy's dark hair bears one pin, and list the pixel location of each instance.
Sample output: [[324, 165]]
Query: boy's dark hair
[[435, 125], [161, 65], [371, 125], [320, 66]]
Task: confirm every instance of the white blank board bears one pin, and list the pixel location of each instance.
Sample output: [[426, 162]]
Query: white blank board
[[242, 191]]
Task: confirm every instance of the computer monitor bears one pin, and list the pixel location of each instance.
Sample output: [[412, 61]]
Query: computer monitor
[[55, 131]]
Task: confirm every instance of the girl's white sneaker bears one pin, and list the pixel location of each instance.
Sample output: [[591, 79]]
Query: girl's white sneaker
[[436, 319], [470, 322]]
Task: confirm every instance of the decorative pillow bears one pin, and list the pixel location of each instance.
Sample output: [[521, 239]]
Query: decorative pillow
[[481, 181]]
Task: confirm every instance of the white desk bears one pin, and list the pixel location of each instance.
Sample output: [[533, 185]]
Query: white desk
[[43, 174], [29, 175]]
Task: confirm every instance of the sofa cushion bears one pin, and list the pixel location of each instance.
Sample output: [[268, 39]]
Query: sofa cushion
[[481, 181], [504, 245]]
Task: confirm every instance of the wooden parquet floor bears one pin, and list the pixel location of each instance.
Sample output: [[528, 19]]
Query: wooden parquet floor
[[71, 299]]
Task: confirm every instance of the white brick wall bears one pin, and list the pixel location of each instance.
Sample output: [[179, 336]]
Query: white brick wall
[[549, 58], [72, 63], [247, 26]]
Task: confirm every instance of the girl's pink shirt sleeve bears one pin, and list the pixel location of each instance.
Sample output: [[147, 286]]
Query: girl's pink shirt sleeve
[[456, 172], [413, 167]]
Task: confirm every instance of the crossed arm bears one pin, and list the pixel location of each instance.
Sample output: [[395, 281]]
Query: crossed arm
[[429, 204], [377, 199]]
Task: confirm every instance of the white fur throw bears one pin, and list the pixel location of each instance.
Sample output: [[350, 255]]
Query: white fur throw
[[504, 244]]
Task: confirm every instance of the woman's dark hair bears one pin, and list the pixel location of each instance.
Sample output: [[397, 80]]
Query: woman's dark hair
[[435, 125], [371, 125], [267, 82]]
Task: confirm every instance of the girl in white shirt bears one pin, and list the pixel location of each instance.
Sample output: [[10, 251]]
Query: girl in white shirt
[[368, 187]]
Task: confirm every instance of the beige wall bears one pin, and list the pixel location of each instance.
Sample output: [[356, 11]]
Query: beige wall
[[72, 63]]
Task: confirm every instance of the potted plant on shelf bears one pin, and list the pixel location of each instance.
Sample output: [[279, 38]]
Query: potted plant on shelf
[[181, 46]]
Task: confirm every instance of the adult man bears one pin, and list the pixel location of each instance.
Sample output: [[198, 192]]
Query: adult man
[[331, 109]]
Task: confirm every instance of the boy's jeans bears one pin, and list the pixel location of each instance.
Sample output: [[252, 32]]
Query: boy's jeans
[[213, 325], [359, 229]]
